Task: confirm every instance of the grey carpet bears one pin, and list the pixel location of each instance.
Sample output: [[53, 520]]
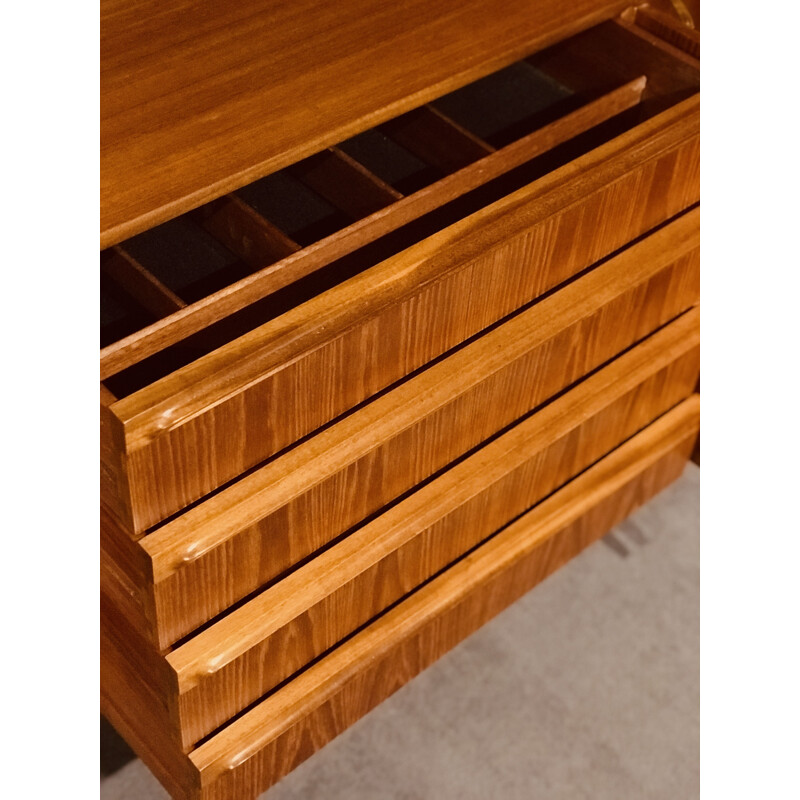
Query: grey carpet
[[588, 687]]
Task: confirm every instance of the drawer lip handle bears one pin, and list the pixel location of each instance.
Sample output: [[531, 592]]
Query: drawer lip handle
[[274, 716]]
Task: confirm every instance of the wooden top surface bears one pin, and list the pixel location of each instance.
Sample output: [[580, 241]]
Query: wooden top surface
[[201, 98]]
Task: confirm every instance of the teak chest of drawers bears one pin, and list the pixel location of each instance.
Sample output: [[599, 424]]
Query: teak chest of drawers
[[392, 328]]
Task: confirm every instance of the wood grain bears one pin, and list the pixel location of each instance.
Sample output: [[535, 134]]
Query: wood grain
[[199, 102], [278, 734], [138, 710], [345, 183], [229, 665], [677, 46], [244, 634], [163, 333], [114, 487], [125, 576], [233, 543], [204, 424]]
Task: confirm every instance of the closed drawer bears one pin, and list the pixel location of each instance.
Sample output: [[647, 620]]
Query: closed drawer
[[274, 736], [237, 541], [227, 666], [203, 409], [278, 734]]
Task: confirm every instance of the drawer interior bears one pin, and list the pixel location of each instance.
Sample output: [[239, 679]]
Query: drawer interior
[[188, 286]]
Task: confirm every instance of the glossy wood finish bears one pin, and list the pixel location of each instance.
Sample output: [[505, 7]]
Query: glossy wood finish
[[259, 243], [437, 140], [250, 651], [278, 734], [343, 490], [114, 491], [245, 232], [670, 40], [213, 555], [196, 102], [199, 427]]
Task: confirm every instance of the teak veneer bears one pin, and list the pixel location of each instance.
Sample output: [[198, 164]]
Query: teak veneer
[[273, 737], [390, 332], [192, 431], [253, 649], [213, 555], [183, 90]]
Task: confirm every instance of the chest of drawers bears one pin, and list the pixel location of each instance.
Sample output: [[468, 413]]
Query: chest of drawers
[[399, 314]]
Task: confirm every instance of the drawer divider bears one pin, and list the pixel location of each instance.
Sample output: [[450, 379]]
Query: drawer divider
[[676, 49], [139, 283], [256, 240], [345, 183], [437, 139], [667, 28]]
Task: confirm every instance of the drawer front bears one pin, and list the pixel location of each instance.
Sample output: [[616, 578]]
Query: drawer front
[[279, 733], [235, 542], [194, 430], [247, 653]]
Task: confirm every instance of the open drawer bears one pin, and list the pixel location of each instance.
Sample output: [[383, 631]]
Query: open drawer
[[235, 331]]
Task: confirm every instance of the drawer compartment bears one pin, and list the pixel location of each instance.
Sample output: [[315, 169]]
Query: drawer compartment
[[274, 737], [211, 404], [235, 542], [255, 647]]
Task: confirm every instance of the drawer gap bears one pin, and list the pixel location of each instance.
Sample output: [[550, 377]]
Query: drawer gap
[[420, 485], [660, 419], [215, 335], [618, 484], [417, 487], [430, 364]]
